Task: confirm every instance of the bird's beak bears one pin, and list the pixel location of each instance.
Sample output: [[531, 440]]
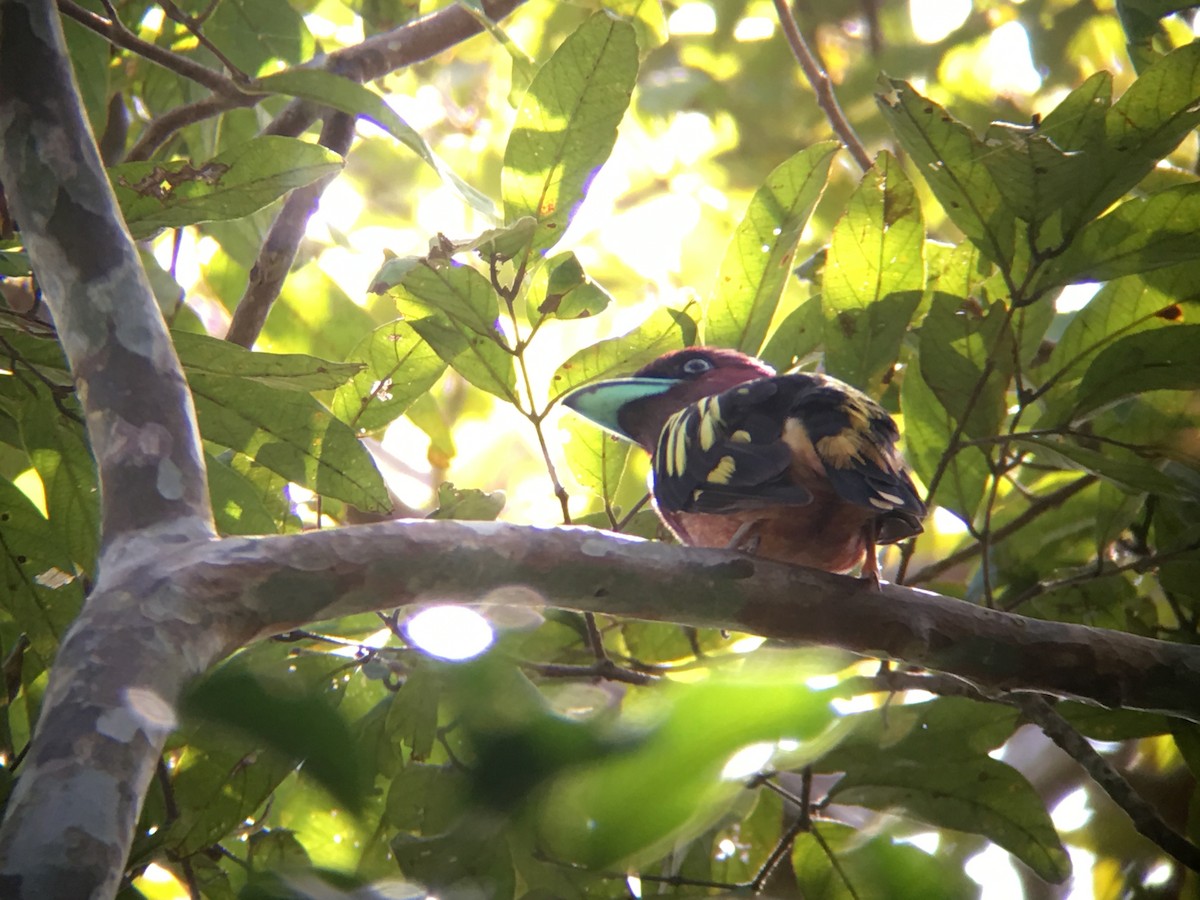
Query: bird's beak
[[603, 401]]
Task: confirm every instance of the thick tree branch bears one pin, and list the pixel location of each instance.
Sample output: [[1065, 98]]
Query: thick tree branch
[[156, 619], [350, 570], [139, 414], [373, 58]]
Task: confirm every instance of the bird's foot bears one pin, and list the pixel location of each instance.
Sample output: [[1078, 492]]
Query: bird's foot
[[743, 541]]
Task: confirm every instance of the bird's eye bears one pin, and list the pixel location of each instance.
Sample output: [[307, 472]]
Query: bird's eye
[[697, 365]]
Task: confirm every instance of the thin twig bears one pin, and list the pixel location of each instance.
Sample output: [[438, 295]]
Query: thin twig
[[117, 34], [373, 58], [955, 443], [171, 808], [1141, 564], [1032, 512], [604, 669], [822, 87], [159, 130], [1145, 817], [175, 14]]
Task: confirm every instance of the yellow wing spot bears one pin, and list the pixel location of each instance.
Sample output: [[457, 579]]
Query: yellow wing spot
[[841, 449], [740, 437], [675, 456], [710, 421], [857, 412], [722, 471]]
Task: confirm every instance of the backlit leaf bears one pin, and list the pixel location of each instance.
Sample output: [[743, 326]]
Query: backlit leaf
[[567, 124], [757, 262]]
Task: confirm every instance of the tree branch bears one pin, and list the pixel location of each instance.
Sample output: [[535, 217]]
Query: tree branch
[[138, 410], [372, 58], [117, 34], [278, 251], [1145, 817], [1032, 512], [123, 664], [822, 87], [348, 570]]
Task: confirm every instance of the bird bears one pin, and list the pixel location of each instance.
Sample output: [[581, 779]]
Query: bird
[[799, 468]]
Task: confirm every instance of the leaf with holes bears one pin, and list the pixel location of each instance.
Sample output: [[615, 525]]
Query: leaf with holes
[[757, 262]]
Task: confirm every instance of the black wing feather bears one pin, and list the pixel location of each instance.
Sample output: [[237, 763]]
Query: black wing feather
[[727, 453]]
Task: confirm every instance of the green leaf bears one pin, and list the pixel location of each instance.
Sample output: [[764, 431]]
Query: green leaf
[[412, 715], [878, 867], [37, 584], [395, 367], [567, 124], [757, 261], [251, 32], [586, 818], [950, 158], [14, 264], [1127, 472], [570, 293], [596, 458], [292, 435], [979, 796], [1122, 307], [800, 334], [955, 729], [341, 93], [500, 244], [90, 55], [206, 355], [61, 455], [1158, 359], [478, 359], [1036, 177], [231, 185], [966, 358], [427, 415], [300, 725], [468, 504], [1157, 112], [220, 778], [1138, 236], [875, 275], [664, 330], [238, 505], [455, 310], [1078, 120], [1103, 603], [448, 288], [927, 430], [885, 761], [426, 799]]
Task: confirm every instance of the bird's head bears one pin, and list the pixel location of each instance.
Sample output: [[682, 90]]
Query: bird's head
[[637, 407]]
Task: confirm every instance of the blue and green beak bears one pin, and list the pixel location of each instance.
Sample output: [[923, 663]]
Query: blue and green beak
[[603, 401]]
